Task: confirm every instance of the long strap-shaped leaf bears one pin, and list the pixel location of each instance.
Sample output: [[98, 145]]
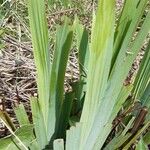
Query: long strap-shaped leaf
[[143, 76], [39, 33], [130, 17], [63, 45], [39, 126], [99, 63], [83, 58]]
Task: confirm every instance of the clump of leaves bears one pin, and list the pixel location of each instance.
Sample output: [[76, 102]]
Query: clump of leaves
[[106, 60]]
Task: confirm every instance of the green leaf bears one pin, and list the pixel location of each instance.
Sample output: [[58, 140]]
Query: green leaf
[[123, 95], [39, 33], [98, 70], [126, 27], [100, 54], [141, 145], [143, 76], [146, 138], [74, 137], [120, 138], [34, 145], [24, 133], [145, 100], [39, 125], [118, 74], [21, 115], [65, 113], [137, 135], [7, 144], [59, 144], [83, 46], [64, 37], [79, 87], [5, 117], [103, 89], [111, 55]]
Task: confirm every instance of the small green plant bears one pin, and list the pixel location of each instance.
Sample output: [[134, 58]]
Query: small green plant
[[106, 61]]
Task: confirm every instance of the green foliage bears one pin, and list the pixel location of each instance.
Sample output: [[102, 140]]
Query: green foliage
[[104, 63], [39, 32], [59, 144], [146, 138], [143, 77], [24, 134], [21, 115], [63, 44], [141, 145]]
